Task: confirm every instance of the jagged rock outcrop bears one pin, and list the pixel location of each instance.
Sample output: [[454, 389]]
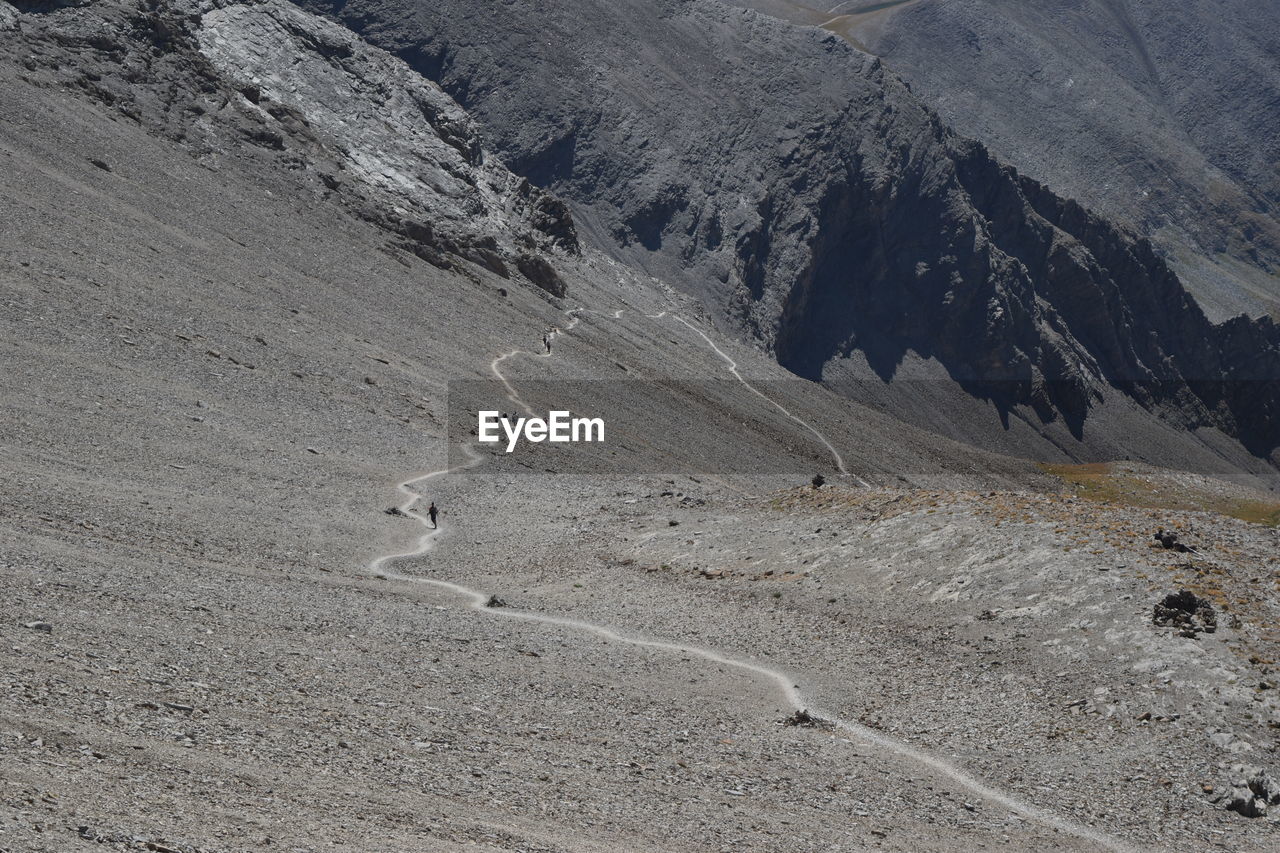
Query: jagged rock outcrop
[[804, 191], [405, 153], [1254, 792], [272, 82]]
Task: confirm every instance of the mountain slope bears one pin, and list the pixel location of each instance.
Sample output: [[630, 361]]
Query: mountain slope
[[822, 209], [1163, 120], [229, 333]]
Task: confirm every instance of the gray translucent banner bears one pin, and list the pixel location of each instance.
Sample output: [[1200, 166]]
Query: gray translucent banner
[[634, 427], [908, 428]]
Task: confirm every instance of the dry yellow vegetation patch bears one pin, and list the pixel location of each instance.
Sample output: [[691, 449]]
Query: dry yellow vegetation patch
[[1131, 486]]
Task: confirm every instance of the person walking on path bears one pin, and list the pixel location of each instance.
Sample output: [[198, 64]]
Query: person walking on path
[[432, 511]]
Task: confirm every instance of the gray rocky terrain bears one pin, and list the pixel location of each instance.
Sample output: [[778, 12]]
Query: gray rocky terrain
[[245, 252]]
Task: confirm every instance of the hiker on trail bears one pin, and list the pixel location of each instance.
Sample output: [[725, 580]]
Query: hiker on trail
[[431, 511], [546, 342]]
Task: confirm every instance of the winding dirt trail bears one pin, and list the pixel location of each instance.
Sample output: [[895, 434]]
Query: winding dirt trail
[[512, 394], [782, 682], [576, 316], [427, 539], [733, 368]]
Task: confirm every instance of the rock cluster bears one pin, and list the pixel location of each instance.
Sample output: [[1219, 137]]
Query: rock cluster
[[804, 719], [1187, 612]]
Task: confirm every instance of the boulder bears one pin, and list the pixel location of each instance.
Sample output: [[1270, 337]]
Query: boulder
[[541, 273], [1253, 791]]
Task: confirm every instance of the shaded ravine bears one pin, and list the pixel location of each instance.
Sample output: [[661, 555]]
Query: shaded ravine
[[784, 684]]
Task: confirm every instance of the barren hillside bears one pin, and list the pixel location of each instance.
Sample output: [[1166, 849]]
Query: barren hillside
[[256, 275]]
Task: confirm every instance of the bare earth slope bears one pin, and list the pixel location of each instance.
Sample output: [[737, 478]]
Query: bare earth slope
[[231, 308]]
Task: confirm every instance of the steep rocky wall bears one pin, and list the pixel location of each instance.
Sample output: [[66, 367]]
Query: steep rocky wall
[[1160, 118]]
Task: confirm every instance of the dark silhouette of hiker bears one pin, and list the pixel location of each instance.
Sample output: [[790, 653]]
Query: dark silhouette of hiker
[[431, 511], [546, 342]]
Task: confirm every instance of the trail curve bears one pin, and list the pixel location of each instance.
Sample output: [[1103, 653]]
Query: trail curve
[[782, 682], [733, 368], [576, 315]]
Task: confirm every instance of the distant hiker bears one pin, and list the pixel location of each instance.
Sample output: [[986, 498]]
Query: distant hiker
[[431, 511], [546, 342]]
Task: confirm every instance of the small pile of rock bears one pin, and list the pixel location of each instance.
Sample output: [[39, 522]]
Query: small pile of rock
[[806, 720], [1187, 612], [1168, 540]]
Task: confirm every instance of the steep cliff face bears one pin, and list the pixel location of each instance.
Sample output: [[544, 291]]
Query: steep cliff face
[[822, 209], [1127, 319], [1158, 117], [1025, 298]]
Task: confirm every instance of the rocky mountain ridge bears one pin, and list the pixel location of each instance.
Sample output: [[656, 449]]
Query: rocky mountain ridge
[[830, 216], [1162, 121], [800, 188]]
